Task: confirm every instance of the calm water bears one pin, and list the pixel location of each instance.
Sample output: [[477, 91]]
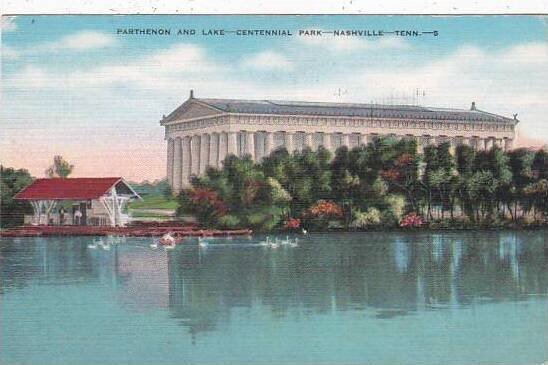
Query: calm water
[[375, 298]]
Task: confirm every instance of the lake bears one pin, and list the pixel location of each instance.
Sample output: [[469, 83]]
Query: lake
[[363, 298]]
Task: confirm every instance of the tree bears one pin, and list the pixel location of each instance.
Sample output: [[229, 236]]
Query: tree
[[60, 168], [438, 179], [520, 164], [11, 182], [537, 196], [540, 164]]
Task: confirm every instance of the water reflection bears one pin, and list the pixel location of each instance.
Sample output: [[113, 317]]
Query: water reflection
[[385, 274]]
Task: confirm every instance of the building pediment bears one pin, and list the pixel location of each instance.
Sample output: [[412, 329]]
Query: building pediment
[[191, 109]]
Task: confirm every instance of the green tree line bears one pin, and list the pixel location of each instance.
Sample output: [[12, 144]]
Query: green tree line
[[384, 183]]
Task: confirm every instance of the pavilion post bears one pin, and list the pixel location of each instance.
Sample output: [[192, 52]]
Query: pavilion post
[[50, 204], [37, 211]]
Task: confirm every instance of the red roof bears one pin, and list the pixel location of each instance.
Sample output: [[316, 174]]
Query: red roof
[[82, 188]]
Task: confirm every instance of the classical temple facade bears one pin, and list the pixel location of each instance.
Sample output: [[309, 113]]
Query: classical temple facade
[[202, 132]]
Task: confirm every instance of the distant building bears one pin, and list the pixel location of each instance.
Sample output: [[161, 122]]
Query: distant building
[[201, 132], [97, 201]]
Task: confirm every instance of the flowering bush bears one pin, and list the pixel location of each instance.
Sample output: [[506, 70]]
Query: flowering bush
[[404, 160], [390, 174], [324, 209], [292, 223], [208, 199], [203, 203], [412, 220]]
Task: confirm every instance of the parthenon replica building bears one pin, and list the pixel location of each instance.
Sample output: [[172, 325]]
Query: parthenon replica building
[[202, 132]]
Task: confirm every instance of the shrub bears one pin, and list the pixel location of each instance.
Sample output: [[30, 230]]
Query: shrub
[[205, 204], [324, 209], [412, 220], [262, 219], [396, 205], [371, 217], [292, 223], [229, 221]]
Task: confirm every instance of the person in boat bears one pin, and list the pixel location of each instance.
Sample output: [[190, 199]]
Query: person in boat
[[168, 239], [62, 216]]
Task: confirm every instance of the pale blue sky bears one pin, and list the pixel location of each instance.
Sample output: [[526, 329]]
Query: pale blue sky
[[71, 85]]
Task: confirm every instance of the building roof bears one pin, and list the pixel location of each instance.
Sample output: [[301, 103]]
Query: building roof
[[349, 110], [83, 188]]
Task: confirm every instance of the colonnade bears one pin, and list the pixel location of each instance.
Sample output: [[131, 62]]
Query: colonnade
[[192, 154]]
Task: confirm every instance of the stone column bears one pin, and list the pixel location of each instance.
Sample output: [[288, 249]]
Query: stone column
[[474, 143], [186, 162], [289, 141], [214, 149], [223, 138], [327, 141], [177, 165], [508, 142], [232, 143], [366, 139], [169, 164], [308, 142], [250, 144], [268, 143], [488, 143], [482, 142], [204, 152], [359, 139], [346, 140], [259, 145], [465, 141], [452, 145], [195, 147]]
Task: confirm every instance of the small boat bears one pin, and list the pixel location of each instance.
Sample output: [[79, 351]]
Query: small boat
[[169, 239]]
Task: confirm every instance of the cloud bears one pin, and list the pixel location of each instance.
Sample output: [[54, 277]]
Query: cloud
[[8, 53], [7, 23], [80, 41], [163, 70], [84, 40], [268, 60]]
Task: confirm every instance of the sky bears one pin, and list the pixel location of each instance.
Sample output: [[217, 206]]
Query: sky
[[73, 86]]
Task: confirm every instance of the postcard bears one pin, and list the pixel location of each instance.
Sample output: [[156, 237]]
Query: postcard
[[282, 189]]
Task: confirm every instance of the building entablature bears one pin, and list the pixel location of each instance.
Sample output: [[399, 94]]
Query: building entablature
[[297, 123]]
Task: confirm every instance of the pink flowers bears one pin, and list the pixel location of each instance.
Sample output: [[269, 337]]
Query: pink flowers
[[324, 209], [412, 220], [292, 223]]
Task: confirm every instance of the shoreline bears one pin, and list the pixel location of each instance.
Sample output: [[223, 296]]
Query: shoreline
[[133, 231], [191, 231]]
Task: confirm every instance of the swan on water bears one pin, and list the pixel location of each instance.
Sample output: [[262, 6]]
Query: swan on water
[[96, 242], [203, 242]]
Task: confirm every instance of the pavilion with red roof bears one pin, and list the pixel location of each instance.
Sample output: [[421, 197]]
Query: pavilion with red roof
[[80, 201]]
